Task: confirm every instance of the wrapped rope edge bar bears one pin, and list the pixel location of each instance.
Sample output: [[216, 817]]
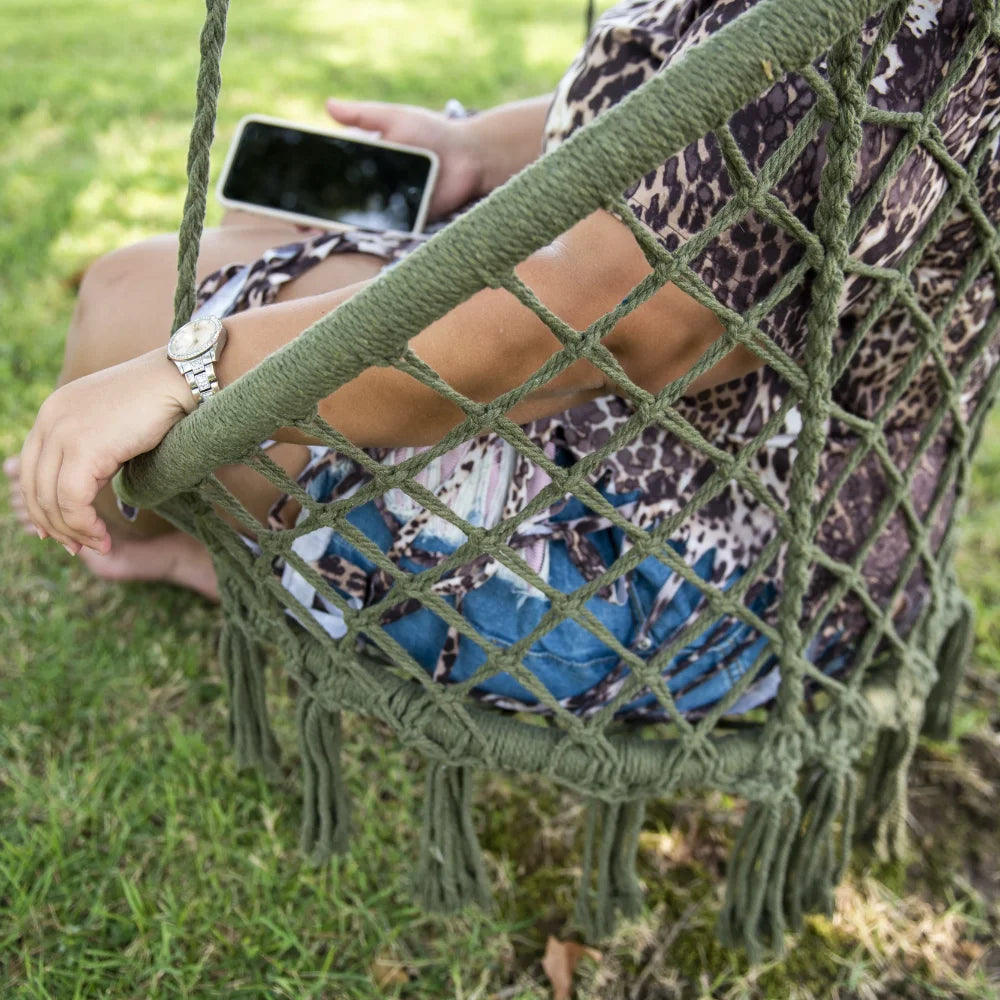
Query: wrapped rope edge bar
[[509, 744]]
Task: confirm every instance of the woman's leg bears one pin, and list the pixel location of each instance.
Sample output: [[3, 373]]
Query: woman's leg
[[124, 309]]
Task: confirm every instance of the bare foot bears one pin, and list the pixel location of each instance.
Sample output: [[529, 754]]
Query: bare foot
[[174, 557]]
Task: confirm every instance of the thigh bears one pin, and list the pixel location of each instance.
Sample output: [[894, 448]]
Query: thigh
[[125, 305]]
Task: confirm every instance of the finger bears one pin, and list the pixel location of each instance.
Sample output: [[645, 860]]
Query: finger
[[48, 470], [29, 456], [75, 493], [346, 112], [49, 463], [353, 132], [368, 115]]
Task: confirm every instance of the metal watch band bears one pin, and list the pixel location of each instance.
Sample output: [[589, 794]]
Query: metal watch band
[[202, 380]]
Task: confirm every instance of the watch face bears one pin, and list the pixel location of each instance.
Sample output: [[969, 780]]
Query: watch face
[[193, 338]]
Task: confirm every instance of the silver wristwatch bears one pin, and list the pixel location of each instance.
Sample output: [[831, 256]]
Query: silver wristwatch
[[194, 348]]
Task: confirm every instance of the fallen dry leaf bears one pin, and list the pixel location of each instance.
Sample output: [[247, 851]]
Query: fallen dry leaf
[[387, 972], [560, 961]]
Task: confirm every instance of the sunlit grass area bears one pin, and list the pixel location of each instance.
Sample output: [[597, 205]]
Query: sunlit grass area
[[135, 861]]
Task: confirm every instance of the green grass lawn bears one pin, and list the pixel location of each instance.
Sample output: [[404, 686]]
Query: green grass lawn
[[134, 860]]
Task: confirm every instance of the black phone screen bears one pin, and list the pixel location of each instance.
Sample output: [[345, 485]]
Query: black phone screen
[[327, 177]]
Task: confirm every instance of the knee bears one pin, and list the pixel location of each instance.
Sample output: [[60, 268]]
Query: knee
[[96, 288], [123, 307], [113, 278]]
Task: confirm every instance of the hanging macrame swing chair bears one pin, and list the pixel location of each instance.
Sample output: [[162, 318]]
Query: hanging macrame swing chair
[[796, 763]]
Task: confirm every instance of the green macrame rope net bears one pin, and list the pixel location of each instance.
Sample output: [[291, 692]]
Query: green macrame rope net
[[796, 764]]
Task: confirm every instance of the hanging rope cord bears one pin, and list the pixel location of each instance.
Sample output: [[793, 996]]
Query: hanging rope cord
[[213, 38]]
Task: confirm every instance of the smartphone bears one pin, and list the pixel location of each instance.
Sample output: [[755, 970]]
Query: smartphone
[[318, 177]]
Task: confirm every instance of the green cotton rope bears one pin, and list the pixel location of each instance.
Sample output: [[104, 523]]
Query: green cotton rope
[[611, 839], [796, 769], [213, 37], [450, 872]]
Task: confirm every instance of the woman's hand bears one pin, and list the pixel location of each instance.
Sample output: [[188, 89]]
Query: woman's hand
[[461, 168], [477, 154], [83, 434]]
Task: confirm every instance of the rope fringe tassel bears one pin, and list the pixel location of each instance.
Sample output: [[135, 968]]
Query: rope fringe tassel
[[754, 910], [250, 732], [884, 799], [326, 806], [450, 873], [617, 825], [954, 654], [820, 854]]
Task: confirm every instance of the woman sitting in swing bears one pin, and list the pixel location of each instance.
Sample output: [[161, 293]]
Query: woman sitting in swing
[[119, 393]]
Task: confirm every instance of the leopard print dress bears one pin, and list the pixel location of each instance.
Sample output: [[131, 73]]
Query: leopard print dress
[[487, 479]]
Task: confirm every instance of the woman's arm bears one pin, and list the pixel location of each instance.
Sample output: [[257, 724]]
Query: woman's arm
[[487, 345], [492, 343], [511, 136]]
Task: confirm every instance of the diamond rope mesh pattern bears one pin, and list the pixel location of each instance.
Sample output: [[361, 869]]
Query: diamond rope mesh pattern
[[785, 861]]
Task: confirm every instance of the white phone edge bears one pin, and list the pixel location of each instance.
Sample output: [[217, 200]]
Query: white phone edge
[[310, 220]]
